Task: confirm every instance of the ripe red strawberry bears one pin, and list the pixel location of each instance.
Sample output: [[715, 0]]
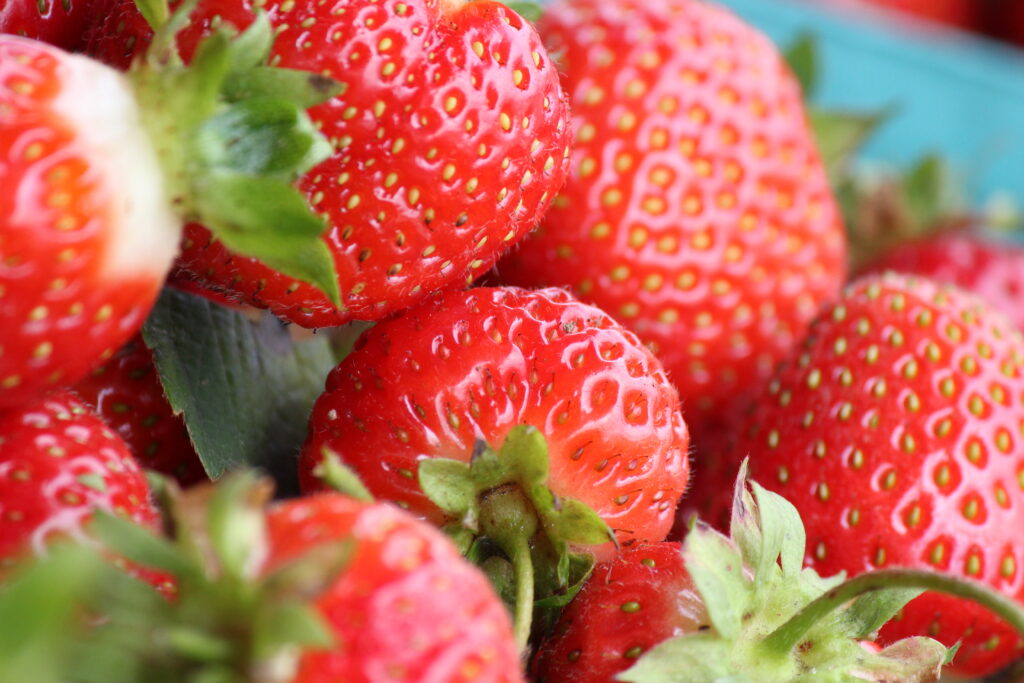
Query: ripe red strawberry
[[450, 138], [963, 14], [58, 464], [526, 418], [697, 210], [101, 170], [739, 608], [628, 605], [992, 270], [470, 366], [127, 394], [897, 433], [87, 236], [58, 22], [405, 607]]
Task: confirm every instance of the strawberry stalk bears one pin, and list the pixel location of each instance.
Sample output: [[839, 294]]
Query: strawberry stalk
[[510, 522], [501, 498], [787, 636]]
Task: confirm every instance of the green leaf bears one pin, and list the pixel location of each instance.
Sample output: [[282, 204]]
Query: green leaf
[[341, 477], [301, 88], [531, 11], [927, 187], [872, 610], [802, 57], [448, 484], [717, 571], [138, 544], [247, 214], [688, 659], [841, 134], [217, 365]]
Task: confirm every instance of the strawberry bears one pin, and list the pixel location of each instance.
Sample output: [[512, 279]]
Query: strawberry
[[626, 607], [59, 463], [992, 270], [127, 394], [454, 380], [697, 210], [405, 607], [61, 23], [896, 432], [962, 14], [450, 138], [101, 170], [318, 589], [741, 609]]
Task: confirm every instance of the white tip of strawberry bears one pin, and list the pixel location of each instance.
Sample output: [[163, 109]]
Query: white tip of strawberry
[[97, 104]]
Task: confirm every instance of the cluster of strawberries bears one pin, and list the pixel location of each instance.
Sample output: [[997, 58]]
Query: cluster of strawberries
[[683, 301]]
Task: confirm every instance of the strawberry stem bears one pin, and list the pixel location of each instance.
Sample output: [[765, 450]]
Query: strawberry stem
[[510, 521], [789, 635]]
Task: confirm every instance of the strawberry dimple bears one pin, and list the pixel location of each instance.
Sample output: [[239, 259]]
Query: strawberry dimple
[[696, 200], [450, 139], [472, 365], [405, 607], [897, 433], [58, 463]]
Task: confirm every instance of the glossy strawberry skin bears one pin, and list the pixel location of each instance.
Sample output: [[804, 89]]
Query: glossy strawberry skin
[[127, 394], [82, 256], [697, 211], [451, 139], [61, 23], [59, 462], [472, 365], [992, 270], [406, 607], [962, 14], [628, 605], [896, 432]]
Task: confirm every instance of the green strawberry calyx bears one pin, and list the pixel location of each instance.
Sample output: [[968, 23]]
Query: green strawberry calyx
[[530, 542], [232, 135], [774, 621], [229, 620]]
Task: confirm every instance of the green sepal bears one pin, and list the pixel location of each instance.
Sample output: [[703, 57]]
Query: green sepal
[[301, 88], [459, 489], [573, 571], [235, 524], [717, 570], [261, 136], [232, 135], [292, 623], [246, 212], [871, 611], [138, 544], [694, 658], [340, 477]]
